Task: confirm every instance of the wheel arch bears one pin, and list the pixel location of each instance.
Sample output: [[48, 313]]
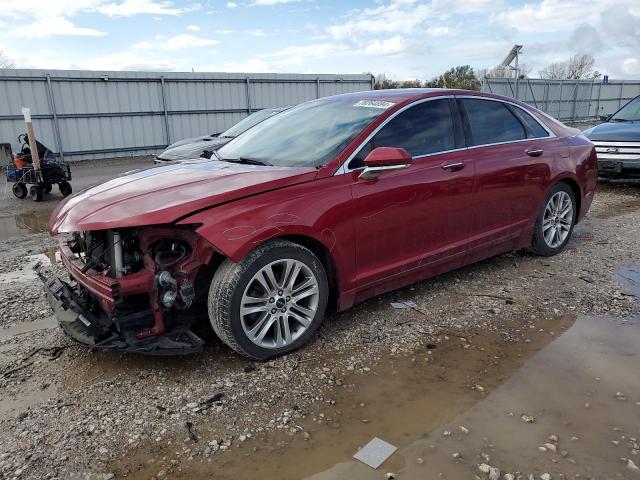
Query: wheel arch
[[321, 251], [577, 192]]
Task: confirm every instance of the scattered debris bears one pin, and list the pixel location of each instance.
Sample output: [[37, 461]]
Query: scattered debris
[[492, 472], [192, 435], [403, 304], [375, 452], [210, 401], [527, 418]]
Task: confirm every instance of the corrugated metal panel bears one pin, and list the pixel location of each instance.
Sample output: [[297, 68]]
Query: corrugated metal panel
[[104, 114], [567, 99]]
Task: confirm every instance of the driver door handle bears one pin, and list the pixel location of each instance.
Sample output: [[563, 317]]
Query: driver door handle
[[536, 152], [452, 167]]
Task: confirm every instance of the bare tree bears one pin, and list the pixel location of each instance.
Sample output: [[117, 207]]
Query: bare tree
[[575, 68], [5, 62]]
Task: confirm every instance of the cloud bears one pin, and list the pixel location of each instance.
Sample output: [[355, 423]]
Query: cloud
[[585, 38], [555, 15], [272, 2], [177, 42], [251, 65], [131, 61], [45, 8], [232, 5], [128, 8], [193, 28], [389, 46], [49, 26], [631, 66], [399, 16]]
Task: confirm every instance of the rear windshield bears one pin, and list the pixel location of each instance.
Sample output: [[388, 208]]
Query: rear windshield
[[310, 134]]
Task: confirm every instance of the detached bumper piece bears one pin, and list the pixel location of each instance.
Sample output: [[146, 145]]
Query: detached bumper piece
[[102, 330]]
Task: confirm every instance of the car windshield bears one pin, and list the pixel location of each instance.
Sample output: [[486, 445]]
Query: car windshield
[[629, 113], [310, 134], [248, 122]]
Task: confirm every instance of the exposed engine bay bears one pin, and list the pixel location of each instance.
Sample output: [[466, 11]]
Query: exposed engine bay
[[133, 289]]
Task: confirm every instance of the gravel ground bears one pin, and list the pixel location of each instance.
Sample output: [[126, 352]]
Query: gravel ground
[[66, 412]]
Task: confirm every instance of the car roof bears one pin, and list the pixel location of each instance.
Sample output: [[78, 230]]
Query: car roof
[[399, 95]]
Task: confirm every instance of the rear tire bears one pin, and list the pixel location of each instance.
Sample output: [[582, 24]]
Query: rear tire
[[19, 190], [555, 222], [65, 188], [36, 194], [265, 316]]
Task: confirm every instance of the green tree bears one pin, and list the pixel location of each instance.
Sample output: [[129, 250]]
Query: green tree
[[461, 76]]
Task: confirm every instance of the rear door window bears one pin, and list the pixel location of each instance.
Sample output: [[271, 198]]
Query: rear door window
[[492, 122]]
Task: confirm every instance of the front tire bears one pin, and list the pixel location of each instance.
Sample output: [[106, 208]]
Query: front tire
[[271, 302], [19, 190], [555, 221]]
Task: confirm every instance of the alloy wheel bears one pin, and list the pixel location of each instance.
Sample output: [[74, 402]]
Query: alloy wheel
[[279, 303], [557, 219]]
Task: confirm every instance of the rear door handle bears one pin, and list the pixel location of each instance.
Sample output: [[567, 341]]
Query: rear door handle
[[452, 167], [536, 152]]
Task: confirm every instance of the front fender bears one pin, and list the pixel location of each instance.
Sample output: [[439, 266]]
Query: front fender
[[319, 210]]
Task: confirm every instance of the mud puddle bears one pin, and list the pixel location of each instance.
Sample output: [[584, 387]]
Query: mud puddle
[[24, 223], [26, 273], [563, 403], [26, 327], [401, 400]]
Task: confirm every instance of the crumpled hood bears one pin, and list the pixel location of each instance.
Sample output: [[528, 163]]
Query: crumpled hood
[[614, 132], [192, 149], [165, 193]]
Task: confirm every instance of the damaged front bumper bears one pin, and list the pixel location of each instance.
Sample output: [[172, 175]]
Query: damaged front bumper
[[95, 309], [99, 331]]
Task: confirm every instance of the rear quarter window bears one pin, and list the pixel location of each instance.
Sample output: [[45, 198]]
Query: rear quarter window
[[534, 129]]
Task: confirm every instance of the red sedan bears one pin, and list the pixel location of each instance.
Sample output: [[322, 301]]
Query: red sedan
[[338, 199]]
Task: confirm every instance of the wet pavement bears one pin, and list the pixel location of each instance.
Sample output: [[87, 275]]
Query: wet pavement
[[566, 403]]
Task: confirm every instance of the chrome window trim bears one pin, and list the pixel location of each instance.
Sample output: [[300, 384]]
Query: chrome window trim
[[343, 168]]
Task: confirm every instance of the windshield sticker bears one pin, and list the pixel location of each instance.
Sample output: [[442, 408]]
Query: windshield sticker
[[374, 104]]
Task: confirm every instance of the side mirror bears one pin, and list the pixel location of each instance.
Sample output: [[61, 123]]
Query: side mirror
[[383, 159], [605, 118]]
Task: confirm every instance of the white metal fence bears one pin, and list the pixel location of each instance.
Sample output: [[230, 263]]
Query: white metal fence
[[567, 99], [89, 114]]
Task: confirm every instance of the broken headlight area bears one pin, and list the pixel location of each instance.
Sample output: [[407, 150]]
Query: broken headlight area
[[133, 289]]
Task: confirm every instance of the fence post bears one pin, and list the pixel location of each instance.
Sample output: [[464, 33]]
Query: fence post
[[598, 104], [167, 136], [248, 85], [52, 109], [620, 96], [317, 87], [575, 100]]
